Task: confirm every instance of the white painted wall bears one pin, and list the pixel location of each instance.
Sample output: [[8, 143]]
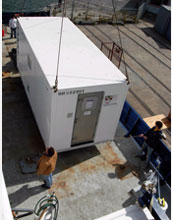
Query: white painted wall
[[37, 89], [6, 208], [110, 114]]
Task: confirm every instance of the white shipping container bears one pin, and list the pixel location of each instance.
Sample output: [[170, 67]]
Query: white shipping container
[[91, 89]]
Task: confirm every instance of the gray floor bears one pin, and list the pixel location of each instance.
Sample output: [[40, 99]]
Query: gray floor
[[88, 182]]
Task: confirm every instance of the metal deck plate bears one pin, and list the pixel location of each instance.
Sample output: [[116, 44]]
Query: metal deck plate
[[29, 164]]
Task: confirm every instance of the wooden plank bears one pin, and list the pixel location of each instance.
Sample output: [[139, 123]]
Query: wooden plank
[[6, 75], [151, 121]]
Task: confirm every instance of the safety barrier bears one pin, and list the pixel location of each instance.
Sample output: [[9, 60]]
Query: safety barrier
[[135, 125]]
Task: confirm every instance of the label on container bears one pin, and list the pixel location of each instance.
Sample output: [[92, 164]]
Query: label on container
[[111, 99], [87, 112], [89, 104]]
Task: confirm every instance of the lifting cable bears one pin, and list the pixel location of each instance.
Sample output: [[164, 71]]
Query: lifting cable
[[55, 87], [114, 7]]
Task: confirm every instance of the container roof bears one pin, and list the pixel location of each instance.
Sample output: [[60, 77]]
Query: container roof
[[81, 63]]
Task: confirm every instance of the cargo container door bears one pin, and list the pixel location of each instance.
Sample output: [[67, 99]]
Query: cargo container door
[[86, 117]]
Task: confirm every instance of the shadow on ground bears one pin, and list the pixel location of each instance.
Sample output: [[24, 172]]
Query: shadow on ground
[[9, 67], [133, 166], [124, 171], [161, 41], [26, 192]]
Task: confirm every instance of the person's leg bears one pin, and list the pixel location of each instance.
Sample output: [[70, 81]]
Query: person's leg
[[11, 33], [14, 32], [144, 146], [47, 180], [51, 178], [149, 152], [142, 150]]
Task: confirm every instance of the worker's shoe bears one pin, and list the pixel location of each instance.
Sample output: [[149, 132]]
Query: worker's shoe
[[143, 157], [145, 166], [45, 186]]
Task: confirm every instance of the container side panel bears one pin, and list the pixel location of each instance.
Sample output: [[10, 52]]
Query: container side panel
[[110, 113], [62, 120], [64, 111], [37, 89]]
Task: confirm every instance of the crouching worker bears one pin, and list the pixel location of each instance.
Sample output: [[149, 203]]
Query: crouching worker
[[46, 165], [151, 140]]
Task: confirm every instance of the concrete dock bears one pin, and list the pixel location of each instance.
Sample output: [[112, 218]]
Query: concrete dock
[[88, 182]]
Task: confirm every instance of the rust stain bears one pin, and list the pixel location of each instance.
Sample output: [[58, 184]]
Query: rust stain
[[61, 185], [110, 156], [94, 164], [122, 169], [87, 167], [106, 160], [71, 171]]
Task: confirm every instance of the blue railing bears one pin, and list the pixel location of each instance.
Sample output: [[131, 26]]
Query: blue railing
[[135, 125]]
